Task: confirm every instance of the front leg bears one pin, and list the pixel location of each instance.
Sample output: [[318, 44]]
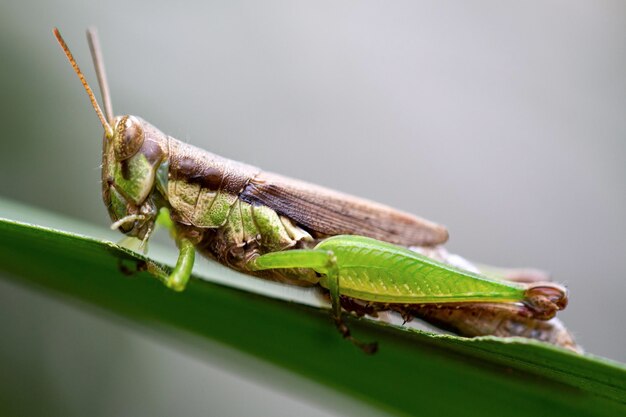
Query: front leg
[[324, 262], [179, 277]]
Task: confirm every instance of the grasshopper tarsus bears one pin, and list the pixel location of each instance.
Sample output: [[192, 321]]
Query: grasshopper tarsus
[[140, 266], [367, 348], [124, 269]]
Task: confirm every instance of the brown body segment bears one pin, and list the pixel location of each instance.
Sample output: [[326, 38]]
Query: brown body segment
[[208, 170], [492, 319], [475, 319], [200, 179], [202, 187]]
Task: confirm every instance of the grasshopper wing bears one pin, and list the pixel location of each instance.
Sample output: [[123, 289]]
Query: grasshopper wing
[[331, 213]]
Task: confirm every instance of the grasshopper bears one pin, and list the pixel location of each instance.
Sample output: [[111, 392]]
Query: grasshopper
[[367, 257]]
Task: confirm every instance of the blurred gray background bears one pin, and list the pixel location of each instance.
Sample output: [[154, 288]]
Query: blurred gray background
[[504, 121]]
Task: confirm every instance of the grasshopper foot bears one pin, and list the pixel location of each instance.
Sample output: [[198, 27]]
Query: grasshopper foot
[[368, 348], [545, 299], [129, 271], [179, 277]]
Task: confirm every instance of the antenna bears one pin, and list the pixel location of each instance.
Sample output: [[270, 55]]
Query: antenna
[[98, 63], [108, 130]]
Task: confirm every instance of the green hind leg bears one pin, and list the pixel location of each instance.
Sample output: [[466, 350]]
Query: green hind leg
[[323, 262], [333, 286]]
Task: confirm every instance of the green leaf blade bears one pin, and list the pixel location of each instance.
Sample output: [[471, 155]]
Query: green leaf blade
[[414, 372]]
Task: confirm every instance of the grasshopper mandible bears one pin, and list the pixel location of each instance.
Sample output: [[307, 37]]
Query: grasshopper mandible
[[364, 254]]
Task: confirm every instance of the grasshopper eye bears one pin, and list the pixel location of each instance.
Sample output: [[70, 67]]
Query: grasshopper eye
[[128, 137]]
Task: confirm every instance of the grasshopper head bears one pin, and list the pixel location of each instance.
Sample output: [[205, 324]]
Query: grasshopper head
[[132, 153], [130, 160]]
